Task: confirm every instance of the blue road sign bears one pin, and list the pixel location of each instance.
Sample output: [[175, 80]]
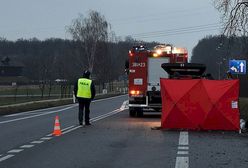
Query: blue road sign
[[237, 66]]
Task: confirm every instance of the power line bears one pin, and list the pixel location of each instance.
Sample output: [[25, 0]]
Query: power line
[[171, 34], [177, 31]]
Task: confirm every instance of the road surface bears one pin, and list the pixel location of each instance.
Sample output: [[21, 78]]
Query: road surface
[[114, 140]]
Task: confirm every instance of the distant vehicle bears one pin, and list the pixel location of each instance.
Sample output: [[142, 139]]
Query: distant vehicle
[[144, 73]]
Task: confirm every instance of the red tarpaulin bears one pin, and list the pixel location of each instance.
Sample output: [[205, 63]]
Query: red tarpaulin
[[200, 104]]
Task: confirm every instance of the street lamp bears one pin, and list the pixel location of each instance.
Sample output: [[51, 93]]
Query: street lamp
[[219, 63]]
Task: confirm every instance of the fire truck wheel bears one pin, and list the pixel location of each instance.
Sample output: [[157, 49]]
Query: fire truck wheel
[[132, 112], [140, 113]]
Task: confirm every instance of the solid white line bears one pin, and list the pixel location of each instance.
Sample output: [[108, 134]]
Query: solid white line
[[73, 105], [182, 152], [37, 142], [97, 118], [182, 162], [6, 157], [71, 129], [66, 130], [107, 114], [62, 130], [92, 120], [15, 150], [184, 138], [36, 111], [108, 98], [37, 115], [46, 113], [46, 138], [26, 146], [183, 148]]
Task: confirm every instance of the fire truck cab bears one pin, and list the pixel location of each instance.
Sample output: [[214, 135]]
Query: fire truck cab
[[144, 73]]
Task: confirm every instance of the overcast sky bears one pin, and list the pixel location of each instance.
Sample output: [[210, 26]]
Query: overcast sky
[[179, 22]]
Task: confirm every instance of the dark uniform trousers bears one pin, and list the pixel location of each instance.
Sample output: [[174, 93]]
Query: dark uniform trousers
[[84, 103]]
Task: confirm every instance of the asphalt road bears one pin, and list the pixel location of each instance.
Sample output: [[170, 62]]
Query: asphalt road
[[114, 140]]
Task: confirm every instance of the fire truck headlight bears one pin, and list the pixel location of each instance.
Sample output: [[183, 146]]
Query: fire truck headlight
[[132, 92], [159, 52], [136, 93], [155, 55]]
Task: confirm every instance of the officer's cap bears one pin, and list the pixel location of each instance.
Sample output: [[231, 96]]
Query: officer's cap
[[86, 73]]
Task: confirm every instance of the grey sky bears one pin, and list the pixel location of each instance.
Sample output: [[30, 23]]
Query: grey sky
[[181, 22]]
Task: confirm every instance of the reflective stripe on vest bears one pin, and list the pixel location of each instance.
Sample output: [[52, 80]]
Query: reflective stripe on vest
[[84, 90]]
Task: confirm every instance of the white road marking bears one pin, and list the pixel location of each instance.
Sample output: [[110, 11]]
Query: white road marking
[[6, 157], [37, 115], [182, 162], [26, 146], [62, 130], [71, 129], [46, 113], [36, 111], [37, 142], [65, 130], [182, 152], [184, 138], [124, 105], [183, 148], [96, 119], [74, 105], [46, 138], [15, 150], [108, 98], [99, 117], [106, 115]]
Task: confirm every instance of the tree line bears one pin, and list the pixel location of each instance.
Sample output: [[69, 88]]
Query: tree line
[[64, 59], [93, 46], [216, 51]]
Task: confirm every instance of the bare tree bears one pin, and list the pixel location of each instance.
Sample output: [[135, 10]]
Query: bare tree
[[234, 16], [89, 32]]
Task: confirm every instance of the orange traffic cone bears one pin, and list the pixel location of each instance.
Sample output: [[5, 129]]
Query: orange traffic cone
[[57, 131]]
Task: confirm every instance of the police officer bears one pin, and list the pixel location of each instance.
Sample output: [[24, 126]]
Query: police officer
[[84, 90]]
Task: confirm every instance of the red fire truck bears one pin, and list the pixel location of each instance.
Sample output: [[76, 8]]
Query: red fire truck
[[144, 73]]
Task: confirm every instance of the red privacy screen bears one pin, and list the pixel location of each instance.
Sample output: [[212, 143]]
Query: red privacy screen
[[200, 104]]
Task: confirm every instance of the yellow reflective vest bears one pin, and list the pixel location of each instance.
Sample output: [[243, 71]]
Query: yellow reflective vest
[[84, 86]]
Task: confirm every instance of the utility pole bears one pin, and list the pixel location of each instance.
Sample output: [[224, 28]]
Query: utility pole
[[219, 63]]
